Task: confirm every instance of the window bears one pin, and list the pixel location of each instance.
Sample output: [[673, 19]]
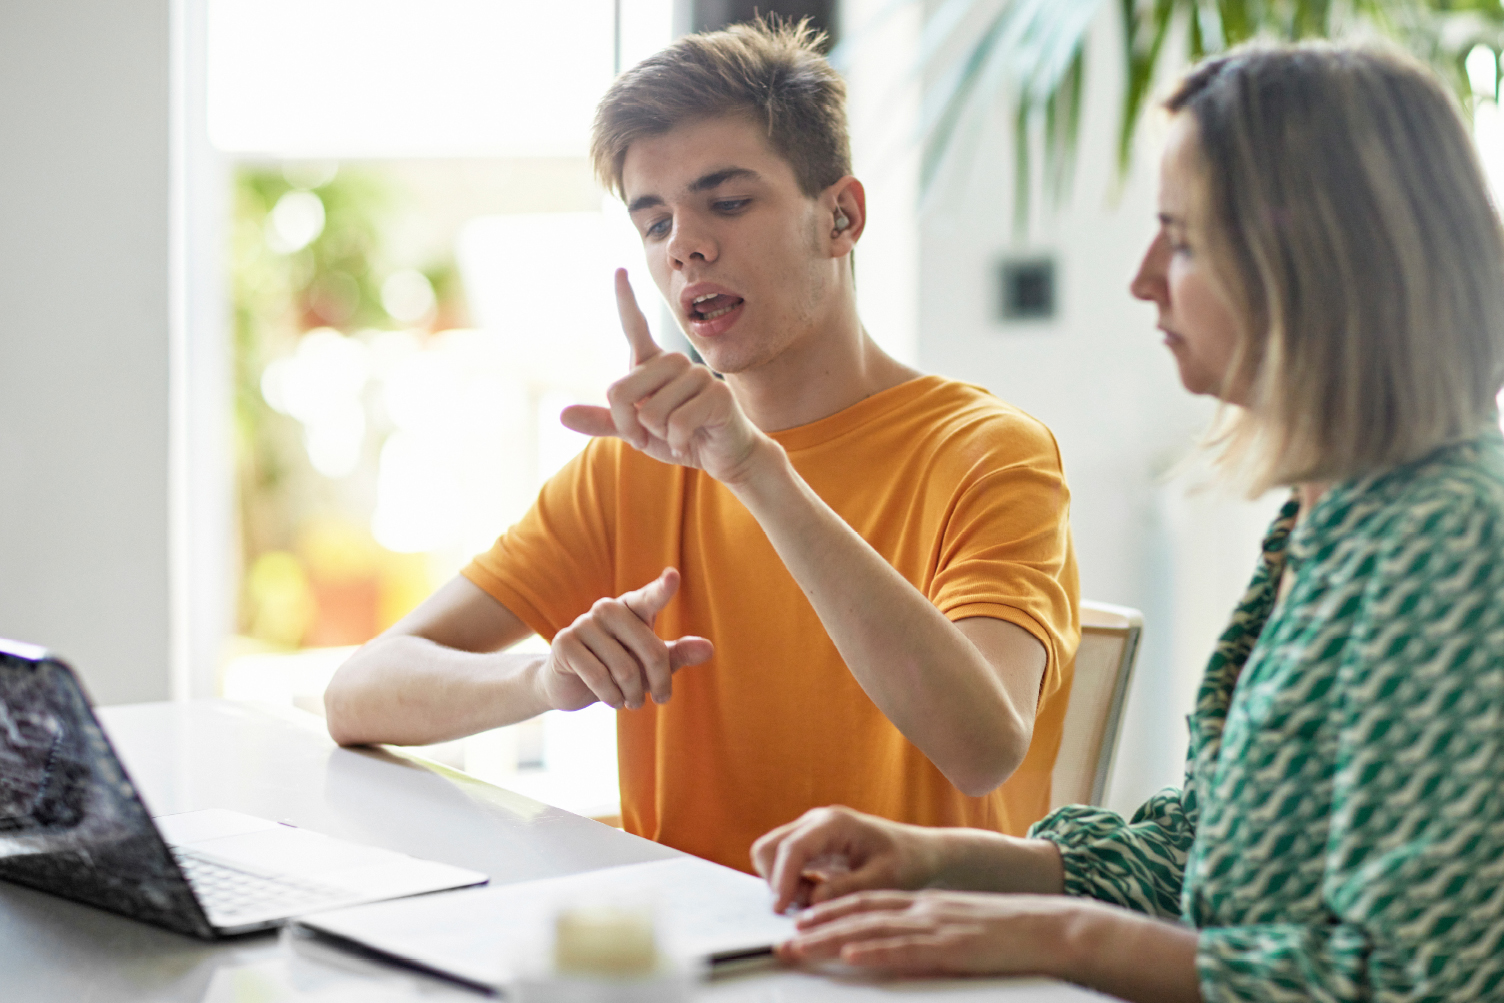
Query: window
[[421, 279]]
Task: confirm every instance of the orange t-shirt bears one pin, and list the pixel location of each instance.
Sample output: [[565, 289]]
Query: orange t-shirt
[[962, 493]]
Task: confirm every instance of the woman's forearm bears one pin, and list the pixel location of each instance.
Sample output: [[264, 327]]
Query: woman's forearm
[[1129, 955], [983, 861]]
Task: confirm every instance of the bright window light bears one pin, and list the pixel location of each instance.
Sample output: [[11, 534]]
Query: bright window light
[[1483, 71], [391, 78]]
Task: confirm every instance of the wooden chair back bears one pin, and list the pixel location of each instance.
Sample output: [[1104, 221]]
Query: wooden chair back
[[1104, 667]]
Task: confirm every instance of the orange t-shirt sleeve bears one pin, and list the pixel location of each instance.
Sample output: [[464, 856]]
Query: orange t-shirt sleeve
[[1006, 549], [558, 558]]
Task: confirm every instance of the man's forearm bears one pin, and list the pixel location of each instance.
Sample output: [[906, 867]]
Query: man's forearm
[[406, 690], [920, 669]]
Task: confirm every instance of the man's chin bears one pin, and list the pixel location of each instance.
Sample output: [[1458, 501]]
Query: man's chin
[[714, 356], [725, 363], [728, 358]]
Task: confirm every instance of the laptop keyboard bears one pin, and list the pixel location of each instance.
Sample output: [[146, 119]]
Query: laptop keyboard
[[227, 892]]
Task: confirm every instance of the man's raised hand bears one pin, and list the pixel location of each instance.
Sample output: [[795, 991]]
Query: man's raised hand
[[668, 407], [611, 654]]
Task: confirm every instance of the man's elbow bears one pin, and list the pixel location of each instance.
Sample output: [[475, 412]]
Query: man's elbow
[[342, 710], [338, 718], [987, 767]]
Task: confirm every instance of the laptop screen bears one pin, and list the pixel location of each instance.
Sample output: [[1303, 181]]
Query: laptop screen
[[71, 822]]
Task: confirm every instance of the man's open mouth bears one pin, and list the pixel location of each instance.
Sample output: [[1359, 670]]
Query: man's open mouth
[[713, 305]]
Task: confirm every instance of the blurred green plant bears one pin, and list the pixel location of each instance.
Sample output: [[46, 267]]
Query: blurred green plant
[[278, 293], [1030, 55], [309, 251]]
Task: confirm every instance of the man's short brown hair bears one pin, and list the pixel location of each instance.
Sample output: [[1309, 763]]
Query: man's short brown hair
[[769, 70]]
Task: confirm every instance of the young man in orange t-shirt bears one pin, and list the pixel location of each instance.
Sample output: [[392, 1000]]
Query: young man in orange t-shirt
[[865, 573]]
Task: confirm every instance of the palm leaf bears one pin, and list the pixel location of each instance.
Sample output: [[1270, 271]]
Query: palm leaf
[[1030, 54], [1031, 49]]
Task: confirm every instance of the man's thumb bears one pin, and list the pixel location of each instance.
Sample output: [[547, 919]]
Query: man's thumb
[[688, 651], [648, 601]]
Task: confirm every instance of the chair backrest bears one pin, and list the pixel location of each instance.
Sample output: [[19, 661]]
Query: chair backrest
[[1099, 688]]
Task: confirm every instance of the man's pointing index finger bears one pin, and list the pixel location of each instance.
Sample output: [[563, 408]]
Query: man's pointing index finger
[[633, 322]]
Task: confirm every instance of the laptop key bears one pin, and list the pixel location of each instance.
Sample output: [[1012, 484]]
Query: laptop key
[[227, 892]]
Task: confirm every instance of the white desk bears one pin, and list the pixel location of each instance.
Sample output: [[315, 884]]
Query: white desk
[[281, 765]]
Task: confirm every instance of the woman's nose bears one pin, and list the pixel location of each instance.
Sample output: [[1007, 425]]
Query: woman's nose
[[1149, 283]]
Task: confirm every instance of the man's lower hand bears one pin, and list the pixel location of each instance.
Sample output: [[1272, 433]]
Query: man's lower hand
[[611, 653]]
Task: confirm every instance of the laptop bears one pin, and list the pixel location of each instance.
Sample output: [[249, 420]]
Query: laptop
[[73, 825]]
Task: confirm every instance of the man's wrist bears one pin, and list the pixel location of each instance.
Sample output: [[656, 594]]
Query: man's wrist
[[764, 461], [535, 677]]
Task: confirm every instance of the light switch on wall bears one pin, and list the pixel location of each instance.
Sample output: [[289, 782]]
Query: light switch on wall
[[1026, 289]]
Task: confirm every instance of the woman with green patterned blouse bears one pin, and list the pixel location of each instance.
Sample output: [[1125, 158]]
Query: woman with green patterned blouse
[[1329, 263]]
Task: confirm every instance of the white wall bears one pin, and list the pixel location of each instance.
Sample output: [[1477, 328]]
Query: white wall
[[84, 181], [1099, 378]]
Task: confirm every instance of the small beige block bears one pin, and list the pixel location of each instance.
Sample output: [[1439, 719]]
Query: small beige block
[[605, 940]]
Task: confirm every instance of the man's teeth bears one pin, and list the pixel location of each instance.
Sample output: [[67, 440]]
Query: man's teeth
[[712, 315], [707, 296]]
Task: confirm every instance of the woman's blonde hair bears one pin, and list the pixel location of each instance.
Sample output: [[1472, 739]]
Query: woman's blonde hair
[[1346, 214]]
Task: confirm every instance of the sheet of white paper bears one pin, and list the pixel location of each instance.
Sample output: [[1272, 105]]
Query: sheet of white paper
[[484, 935]]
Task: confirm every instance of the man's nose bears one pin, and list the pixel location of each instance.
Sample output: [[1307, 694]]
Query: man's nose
[[690, 242]]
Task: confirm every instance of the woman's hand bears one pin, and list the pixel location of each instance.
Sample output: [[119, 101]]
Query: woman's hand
[[935, 932], [1126, 954], [830, 852]]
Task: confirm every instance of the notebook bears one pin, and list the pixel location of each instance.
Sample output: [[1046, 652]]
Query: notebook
[[485, 937]]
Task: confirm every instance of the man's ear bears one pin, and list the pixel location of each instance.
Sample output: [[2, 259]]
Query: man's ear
[[846, 202]]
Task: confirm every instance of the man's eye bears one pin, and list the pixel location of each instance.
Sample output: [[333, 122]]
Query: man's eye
[[658, 228], [731, 205]]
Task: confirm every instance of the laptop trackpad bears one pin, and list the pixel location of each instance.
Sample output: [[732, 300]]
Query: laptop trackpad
[[194, 826], [293, 852]]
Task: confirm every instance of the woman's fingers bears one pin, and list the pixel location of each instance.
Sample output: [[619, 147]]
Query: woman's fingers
[[830, 941], [911, 954], [927, 932], [854, 905], [765, 849], [826, 853], [816, 835]]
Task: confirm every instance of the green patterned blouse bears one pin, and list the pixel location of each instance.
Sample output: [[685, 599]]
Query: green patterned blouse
[[1340, 834]]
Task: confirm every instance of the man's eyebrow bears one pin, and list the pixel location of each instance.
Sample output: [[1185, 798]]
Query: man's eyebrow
[[704, 183], [717, 178]]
